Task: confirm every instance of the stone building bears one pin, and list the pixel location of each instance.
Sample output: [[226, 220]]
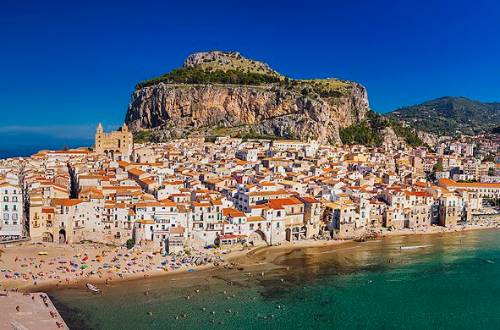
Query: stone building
[[116, 145], [449, 210]]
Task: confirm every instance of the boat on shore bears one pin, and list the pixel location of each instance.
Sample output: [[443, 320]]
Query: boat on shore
[[93, 288], [413, 247]]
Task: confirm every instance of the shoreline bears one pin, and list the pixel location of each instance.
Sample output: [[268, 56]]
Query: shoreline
[[240, 257], [290, 247]]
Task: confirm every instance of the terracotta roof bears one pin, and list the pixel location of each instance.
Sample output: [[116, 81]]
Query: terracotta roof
[[66, 201], [136, 171], [231, 212], [451, 183], [281, 202], [255, 218]]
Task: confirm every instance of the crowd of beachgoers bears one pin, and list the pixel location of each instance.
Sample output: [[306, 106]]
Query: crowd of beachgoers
[[31, 265]]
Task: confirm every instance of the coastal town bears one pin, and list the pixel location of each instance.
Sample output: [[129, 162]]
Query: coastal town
[[250, 165], [124, 209]]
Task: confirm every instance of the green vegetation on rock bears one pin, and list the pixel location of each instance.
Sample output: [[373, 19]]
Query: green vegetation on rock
[[142, 136], [325, 88], [408, 134], [361, 133], [369, 132], [196, 75]]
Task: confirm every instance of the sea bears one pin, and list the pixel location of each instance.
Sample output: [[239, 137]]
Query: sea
[[437, 281], [14, 146]]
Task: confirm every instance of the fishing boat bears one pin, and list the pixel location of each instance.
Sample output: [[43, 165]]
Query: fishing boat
[[92, 288]]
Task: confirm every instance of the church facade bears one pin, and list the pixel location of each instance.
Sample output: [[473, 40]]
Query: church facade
[[116, 145]]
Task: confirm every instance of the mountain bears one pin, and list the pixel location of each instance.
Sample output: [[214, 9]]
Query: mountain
[[450, 115], [224, 93]]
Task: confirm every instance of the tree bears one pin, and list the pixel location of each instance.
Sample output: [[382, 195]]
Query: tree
[[130, 243], [489, 158], [438, 167]]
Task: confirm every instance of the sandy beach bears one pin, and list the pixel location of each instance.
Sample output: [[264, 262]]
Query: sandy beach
[[36, 267]]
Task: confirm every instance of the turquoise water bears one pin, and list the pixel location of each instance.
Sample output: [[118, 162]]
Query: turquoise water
[[453, 282]]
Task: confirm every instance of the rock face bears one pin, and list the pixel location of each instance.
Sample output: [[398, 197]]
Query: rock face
[[390, 138], [285, 110]]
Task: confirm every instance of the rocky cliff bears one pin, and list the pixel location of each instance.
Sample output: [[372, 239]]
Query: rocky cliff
[[220, 93]]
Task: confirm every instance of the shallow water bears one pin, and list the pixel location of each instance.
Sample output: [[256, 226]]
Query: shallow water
[[449, 281]]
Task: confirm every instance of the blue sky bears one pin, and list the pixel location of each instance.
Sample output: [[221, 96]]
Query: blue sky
[[66, 65]]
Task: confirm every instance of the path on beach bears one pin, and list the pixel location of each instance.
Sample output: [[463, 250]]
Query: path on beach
[[28, 311]]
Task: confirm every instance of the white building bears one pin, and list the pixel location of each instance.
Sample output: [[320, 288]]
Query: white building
[[11, 212]]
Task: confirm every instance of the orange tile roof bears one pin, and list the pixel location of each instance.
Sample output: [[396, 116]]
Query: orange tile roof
[[136, 171], [66, 201], [231, 212], [281, 202], [450, 183], [268, 193], [255, 218]]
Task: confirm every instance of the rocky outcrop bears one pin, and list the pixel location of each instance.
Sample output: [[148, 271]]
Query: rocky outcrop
[[428, 138], [278, 109], [390, 137]]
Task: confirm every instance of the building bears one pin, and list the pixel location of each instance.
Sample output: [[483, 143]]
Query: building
[[483, 189], [11, 212], [450, 210], [116, 145]]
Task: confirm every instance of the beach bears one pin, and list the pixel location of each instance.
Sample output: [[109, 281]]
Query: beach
[[36, 267]]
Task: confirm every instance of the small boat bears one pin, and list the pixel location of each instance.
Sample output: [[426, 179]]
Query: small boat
[[413, 247], [92, 288]]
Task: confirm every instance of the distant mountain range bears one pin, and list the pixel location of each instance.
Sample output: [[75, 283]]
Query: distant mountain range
[[450, 115]]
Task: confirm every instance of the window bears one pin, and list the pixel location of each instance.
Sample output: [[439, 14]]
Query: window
[[5, 198], [6, 208], [14, 216], [6, 216], [14, 199]]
